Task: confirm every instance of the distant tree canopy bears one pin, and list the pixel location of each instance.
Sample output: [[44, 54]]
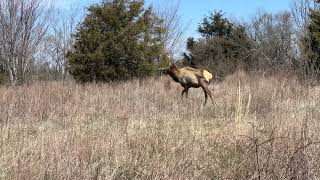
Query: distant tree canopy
[[223, 46], [117, 40]]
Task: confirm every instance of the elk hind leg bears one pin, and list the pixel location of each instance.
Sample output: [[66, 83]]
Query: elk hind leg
[[184, 91], [205, 86], [187, 91], [205, 96], [209, 93]]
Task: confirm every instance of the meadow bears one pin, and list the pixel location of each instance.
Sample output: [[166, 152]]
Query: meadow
[[256, 128]]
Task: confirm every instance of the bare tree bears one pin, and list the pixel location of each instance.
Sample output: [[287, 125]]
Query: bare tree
[[60, 40], [173, 38], [272, 35], [300, 12], [23, 26]]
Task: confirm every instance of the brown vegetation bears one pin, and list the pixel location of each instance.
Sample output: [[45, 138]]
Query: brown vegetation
[[257, 128]]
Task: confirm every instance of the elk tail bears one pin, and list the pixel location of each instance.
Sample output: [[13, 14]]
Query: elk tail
[[207, 75]]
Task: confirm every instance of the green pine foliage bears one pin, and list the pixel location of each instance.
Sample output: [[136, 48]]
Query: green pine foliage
[[311, 44], [117, 40], [215, 25], [222, 47]]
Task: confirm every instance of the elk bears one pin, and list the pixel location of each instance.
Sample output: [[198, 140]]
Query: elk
[[190, 77]]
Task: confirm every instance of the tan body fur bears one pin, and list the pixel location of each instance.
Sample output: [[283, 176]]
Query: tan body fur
[[190, 77]]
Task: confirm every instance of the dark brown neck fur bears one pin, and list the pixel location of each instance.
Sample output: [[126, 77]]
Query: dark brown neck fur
[[172, 72]]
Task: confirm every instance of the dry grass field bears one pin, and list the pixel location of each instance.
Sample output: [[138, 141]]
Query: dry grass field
[[256, 128]]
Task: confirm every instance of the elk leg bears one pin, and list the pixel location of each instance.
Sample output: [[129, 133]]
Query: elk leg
[[184, 91], [205, 96], [204, 85], [187, 90], [209, 93]]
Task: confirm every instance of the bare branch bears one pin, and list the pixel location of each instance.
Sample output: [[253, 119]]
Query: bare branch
[[23, 24]]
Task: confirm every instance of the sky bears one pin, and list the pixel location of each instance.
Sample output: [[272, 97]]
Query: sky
[[193, 11]]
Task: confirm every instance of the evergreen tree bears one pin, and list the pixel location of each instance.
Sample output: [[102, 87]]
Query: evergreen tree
[[215, 25], [222, 46], [117, 40], [311, 44]]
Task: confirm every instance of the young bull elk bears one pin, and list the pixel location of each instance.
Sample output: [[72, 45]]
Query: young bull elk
[[189, 77]]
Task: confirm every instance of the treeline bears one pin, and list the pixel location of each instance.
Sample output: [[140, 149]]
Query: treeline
[[124, 39], [287, 42]]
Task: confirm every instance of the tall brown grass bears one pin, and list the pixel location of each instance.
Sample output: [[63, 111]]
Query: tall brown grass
[[257, 128]]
